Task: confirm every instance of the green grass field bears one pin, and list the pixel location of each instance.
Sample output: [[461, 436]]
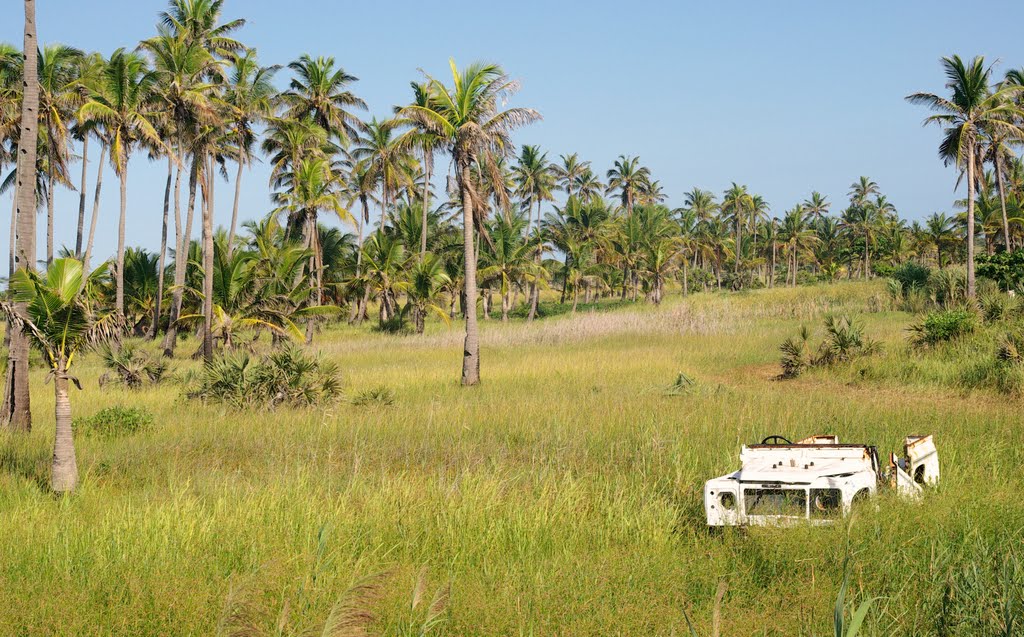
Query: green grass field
[[560, 497]]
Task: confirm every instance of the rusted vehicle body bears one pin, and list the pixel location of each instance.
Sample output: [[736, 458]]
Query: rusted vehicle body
[[815, 480]]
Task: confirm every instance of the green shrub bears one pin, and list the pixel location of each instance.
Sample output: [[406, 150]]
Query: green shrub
[[375, 397], [943, 326], [997, 306], [844, 340], [115, 421], [130, 366], [911, 276], [948, 287], [1005, 268], [285, 377]]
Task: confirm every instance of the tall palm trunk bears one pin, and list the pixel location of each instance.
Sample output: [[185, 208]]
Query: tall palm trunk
[[208, 261], [234, 207], [50, 179], [163, 251], [359, 311], [95, 209], [867, 257], [81, 197], [15, 411], [970, 222], [428, 165], [471, 348], [11, 237], [181, 258], [534, 288], [64, 470], [119, 294], [1002, 203]]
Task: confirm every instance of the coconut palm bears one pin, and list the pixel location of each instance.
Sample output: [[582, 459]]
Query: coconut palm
[[860, 221], [52, 311], [424, 284], [198, 21], [123, 108], [249, 96], [588, 186], [59, 98], [569, 172], [535, 179], [388, 160], [509, 260], [701, 203], [817, 205], [90, 69], [737, 206], [469, 118], [16, 413], [319, 90], [940, 232], [427, 143], [973, 108], [862, 189], [629, 178]]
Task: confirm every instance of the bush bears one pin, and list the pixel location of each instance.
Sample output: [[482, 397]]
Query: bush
[[940, 327], [376, 397], [1005, 268], [948, 287], [130, 366], [113, 422], [997, 306], [911, 276], [844, 341], [286, 377]]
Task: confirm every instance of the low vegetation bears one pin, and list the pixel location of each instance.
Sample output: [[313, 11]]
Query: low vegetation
[[562, 495]]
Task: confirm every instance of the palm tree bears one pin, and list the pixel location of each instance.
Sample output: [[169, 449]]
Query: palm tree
[[54, 314], [475, 130], [123, 108], [90, 69], [535, 179], [423, 286], [313, 187], [509, 260], [320, 91], [972, 109], [59, 98], [249, 97], [737, 204], [817, 205], [701, 203], [387, 159], [629, 178], [588, 186], [939, 229], [427, 143], [16, 412], [569, 172], [797, 238], [862, 189], [860, 220]]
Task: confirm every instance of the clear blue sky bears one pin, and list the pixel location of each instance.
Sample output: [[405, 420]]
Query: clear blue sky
[[786, 97]]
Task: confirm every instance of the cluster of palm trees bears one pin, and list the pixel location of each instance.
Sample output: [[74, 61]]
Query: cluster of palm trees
[[509, 224]]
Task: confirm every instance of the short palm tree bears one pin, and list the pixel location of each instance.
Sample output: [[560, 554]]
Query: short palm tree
[[59, 321], [425, 281], [973, 108], [469, 119]]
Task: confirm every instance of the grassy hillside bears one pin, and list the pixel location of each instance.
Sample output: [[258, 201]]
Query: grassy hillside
[[562, 496]]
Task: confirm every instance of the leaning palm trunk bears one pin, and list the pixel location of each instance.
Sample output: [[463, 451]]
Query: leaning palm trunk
[[163, 252], [64, 471], [234, 207], [471, 348], [95, 208], [81, 198], [534, 287], [15, 412]]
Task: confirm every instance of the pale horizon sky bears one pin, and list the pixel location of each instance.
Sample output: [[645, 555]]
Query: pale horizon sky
[[783, 97]]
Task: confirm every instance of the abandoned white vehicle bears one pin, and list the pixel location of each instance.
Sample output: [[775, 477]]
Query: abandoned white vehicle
[[817, 479]]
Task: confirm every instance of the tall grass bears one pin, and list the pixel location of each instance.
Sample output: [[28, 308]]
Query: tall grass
[[562, 496]]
